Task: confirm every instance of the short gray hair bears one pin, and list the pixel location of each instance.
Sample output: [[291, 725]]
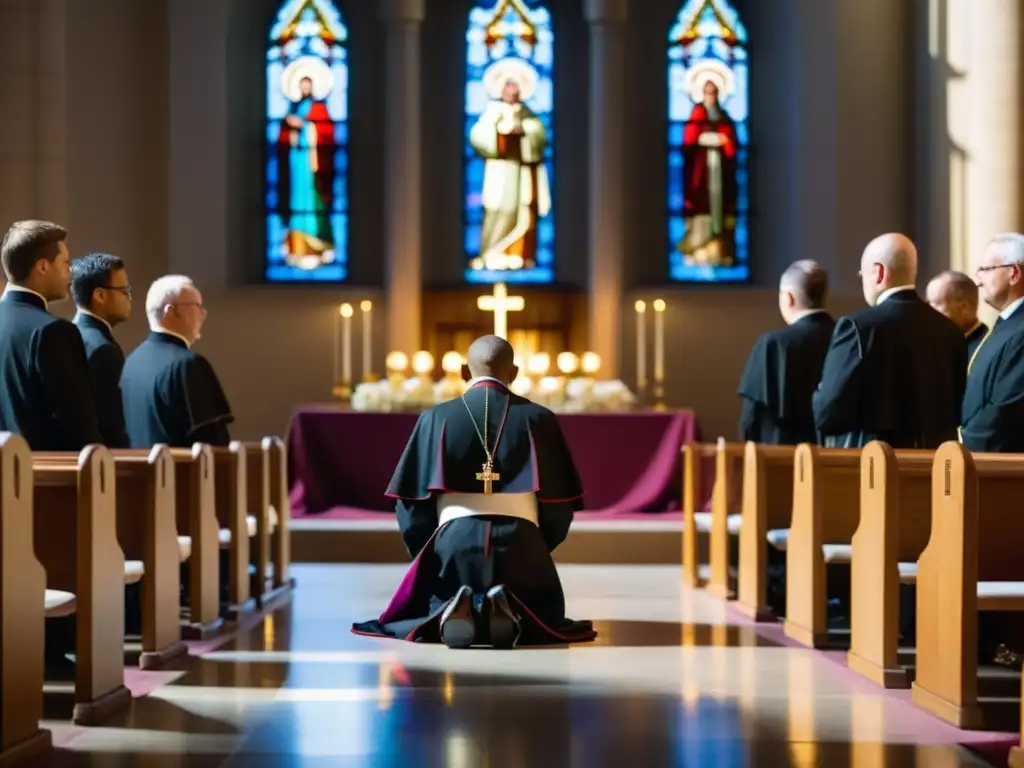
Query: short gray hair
[[808, 283], [162, 292], [1010, 246]]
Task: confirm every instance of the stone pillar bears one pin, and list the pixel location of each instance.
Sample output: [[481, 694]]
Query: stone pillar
[[970, 176], [402, 172], [607, 180]]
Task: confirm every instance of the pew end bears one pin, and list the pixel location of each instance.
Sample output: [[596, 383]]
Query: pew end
[[895, 522], [236, 530], [197, 519], [766, 505], [264, 588], [724, 519], [22, 621], [826, 512], [694, 456], [280, 511]]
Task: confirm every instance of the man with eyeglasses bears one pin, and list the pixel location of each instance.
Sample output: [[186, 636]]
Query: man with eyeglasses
[[895, 371], [100, 289], [993, 407], [170, 393], [44, 378]]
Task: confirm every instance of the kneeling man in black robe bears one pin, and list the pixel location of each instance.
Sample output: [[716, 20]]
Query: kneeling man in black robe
[[486, 490]]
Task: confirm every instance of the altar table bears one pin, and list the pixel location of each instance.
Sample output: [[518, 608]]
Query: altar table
[[629, 462]]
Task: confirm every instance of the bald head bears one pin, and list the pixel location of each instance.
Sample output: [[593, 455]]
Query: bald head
[[889, 261], [492, 356], [807, 282], [955, 295]]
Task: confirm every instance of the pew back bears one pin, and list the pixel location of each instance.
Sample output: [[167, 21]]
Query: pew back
[[197, 518], [258, 501], [231, 505], [280, 544], [726, 500]]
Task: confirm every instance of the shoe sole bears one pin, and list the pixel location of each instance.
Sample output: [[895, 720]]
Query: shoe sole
[[458, 633], [503, 630]]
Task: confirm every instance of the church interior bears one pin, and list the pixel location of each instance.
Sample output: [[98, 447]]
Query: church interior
[[362, 188]]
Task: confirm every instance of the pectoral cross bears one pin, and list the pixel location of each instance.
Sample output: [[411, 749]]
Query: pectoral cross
[[500, 303], [488, 476]]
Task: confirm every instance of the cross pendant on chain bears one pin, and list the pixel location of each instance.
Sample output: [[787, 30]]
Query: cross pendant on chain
[[488, 476]]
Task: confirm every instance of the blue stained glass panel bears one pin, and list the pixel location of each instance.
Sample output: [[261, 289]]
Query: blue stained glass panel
[[306, 173], [708, 137], [509, 143]]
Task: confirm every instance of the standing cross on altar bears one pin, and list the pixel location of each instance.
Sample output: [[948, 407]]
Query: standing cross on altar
[[500, 303]]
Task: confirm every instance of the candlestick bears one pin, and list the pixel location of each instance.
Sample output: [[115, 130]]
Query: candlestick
[[641, 348], [659, 353], [346, 343], [366, 307], [336, 349]]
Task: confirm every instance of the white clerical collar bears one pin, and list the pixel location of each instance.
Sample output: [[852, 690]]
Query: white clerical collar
[[11, 287], [890, 291], [158, 329], [1011, 308], [82, 311], [473, 382]]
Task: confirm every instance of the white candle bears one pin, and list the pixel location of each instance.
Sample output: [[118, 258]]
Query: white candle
[[659, 341], [346, 344], [641, 345], [366, 307], [336, 347]]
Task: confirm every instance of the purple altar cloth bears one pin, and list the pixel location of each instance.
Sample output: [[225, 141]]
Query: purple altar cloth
[[629, 462]]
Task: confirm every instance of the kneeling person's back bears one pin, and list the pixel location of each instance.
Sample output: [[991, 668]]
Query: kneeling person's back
[[171, 394]]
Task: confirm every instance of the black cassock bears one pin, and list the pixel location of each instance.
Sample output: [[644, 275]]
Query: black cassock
[[106, 361], [894, 372], [44, 380], [779, 380], [974, 337], [993, 409], [444, 456], [171, 395]]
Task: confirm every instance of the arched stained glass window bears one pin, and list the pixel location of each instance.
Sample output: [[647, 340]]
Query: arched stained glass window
[[708, 103], [307, 144], [509, 218]]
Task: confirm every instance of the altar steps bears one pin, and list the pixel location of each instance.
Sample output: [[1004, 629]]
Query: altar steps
[[636, 540]]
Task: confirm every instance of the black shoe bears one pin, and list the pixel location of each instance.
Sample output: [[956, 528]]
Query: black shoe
[[458, 627], [503, 624]]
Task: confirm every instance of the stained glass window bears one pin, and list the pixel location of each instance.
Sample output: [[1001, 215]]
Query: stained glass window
[[509, 218], [708, 102], [307, 144]]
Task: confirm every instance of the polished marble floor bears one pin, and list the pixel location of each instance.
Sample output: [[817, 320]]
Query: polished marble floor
[[675, 679]]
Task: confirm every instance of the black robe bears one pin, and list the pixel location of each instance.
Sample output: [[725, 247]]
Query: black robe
[[444, 455], [993, 407], [894, 372], [44, 379], [106, 360], [779, 379], [171, 395], [974, 338]]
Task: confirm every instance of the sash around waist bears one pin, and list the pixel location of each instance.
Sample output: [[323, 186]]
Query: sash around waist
[[451, 506]]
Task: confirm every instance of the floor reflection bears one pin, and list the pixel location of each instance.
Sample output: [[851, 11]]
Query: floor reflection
[[672, 681]]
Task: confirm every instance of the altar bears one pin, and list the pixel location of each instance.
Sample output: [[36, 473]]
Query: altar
[[340, 460]]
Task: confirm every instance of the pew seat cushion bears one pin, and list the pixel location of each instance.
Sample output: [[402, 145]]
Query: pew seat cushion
[[778, 538], [134, 570], [733, 523], [837, 553], [1001, 595], [250, 525], [224, 537], [908, 573], [273, 518], [184, 548], [59, 603]]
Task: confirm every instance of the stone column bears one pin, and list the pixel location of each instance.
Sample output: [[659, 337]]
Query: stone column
[[970, 175], [607, 179], [402, 172]]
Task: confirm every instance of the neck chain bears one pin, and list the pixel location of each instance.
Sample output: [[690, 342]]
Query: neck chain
[[488, 452]]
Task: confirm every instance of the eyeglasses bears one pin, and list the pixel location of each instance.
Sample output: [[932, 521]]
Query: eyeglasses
[[190, 304], [995, 266], [125, 289]]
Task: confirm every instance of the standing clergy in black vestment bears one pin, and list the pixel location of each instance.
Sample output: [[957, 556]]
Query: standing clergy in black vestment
[[993, 407], [485, 490], [955, 295], [171, 394], [99, 286], [784, 367], [44, 380], [895, 371]]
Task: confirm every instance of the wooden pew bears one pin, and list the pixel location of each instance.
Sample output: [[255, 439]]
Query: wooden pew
[[973, 562], [826, 511], [148, 536], [75, 528], [767, 506], [258, 497], [895, 521], [23, 592], [280, 511], [197, 519], [724, 518], [704, 463], [235, 536]]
